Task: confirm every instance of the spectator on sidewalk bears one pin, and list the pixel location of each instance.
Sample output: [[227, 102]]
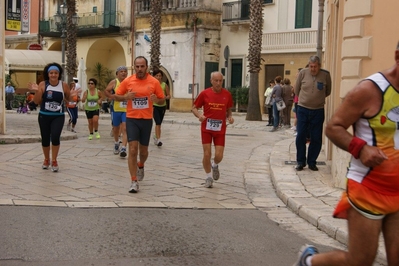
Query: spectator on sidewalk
[[269, 105], [140, 90], [50, 94], [10, 91], [288, 98], [371, 200], [277, 94], [312, 86], [216, 103]]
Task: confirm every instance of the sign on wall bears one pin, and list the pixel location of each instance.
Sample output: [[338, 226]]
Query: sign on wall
[[13, 15], [25, 16]]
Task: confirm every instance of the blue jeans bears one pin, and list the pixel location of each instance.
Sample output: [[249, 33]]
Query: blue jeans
[[308, 122], [276, 115]]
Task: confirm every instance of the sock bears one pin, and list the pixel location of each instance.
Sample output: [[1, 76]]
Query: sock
[[134, 178], [214, 164], [91, 133], [209, 175], [140, 165], [309, 260], [116, 142]]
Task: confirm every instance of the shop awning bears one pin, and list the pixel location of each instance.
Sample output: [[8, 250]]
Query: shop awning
[[30, 60]]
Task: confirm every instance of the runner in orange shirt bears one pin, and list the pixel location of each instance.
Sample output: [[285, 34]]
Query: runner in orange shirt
[[140, 90]]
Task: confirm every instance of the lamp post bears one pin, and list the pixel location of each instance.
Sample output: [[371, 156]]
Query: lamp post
[[61, 20]]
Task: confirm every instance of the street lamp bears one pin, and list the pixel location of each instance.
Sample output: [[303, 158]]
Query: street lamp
[[61, 20]]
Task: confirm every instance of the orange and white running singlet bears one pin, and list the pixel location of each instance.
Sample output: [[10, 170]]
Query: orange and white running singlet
[[380, 183]]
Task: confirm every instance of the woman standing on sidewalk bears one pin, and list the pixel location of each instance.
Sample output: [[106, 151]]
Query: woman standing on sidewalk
[[72, 108], [50, 95], [92, 107]]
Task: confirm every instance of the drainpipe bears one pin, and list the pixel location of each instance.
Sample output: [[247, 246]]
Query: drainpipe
[[133, 42], [194, 41], [320, 30]]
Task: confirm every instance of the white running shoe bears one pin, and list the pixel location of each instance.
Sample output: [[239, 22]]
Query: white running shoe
[[134, 187], [209, 182]]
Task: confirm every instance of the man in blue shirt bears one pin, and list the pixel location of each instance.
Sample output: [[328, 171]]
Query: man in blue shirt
[[10, 91]]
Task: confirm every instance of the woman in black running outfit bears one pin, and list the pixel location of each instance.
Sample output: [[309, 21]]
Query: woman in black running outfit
[[50, 95]]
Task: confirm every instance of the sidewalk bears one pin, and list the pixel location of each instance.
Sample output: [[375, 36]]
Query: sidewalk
[[307, 193]]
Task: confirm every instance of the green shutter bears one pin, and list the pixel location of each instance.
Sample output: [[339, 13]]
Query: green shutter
[[303, 14]]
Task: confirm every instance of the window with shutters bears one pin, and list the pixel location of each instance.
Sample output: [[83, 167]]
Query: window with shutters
[[303, 14]]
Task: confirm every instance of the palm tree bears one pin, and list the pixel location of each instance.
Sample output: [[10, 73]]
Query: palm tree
[[155, 21], [254, 58], [71, 63]]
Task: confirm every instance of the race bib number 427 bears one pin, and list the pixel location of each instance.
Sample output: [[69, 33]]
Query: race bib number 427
[[214, 124]]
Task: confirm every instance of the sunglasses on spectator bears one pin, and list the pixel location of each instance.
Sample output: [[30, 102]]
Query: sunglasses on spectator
[[90, 83]]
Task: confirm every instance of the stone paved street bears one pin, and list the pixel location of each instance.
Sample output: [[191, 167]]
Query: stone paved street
[[254, 174]]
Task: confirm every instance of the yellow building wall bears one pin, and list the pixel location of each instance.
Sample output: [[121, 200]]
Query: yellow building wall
[[360, 42]]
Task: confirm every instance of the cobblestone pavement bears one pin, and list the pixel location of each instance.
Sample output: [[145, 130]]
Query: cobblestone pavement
[[255, 174]]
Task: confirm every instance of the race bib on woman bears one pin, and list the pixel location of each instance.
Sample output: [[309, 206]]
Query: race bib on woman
[[52, 106]]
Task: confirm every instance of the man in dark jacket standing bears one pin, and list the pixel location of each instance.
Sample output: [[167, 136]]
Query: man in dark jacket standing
[[312, 86]]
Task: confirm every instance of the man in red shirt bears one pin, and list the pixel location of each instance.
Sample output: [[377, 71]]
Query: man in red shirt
[[140, 91], [216, 103]]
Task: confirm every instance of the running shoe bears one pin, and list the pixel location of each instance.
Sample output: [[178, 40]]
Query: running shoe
[[215, 172], [123, 152], [306, 251], [140, 174], [90, 136], [116, 149], [294, 128], [54, 166], [73, 130], [69, 127], [159, 143], [134, 187], [97, 135], [209, 182], [155, 141], [46, 164]]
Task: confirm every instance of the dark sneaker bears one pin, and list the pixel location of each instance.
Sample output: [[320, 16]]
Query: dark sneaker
[[159, 143], [123, 152], [306, 251], [140, 174], [134, 187], [215, 172]]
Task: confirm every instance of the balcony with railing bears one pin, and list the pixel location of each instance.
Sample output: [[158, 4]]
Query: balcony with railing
[[143, 6], [301, 40], [89, 24], [235, 11]]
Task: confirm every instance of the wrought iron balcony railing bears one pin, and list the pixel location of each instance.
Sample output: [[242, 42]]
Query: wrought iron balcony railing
[[88, 20]]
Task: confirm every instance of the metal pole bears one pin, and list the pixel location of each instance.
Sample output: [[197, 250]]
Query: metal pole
[[63, 52], [320, 30], [194, 41]]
